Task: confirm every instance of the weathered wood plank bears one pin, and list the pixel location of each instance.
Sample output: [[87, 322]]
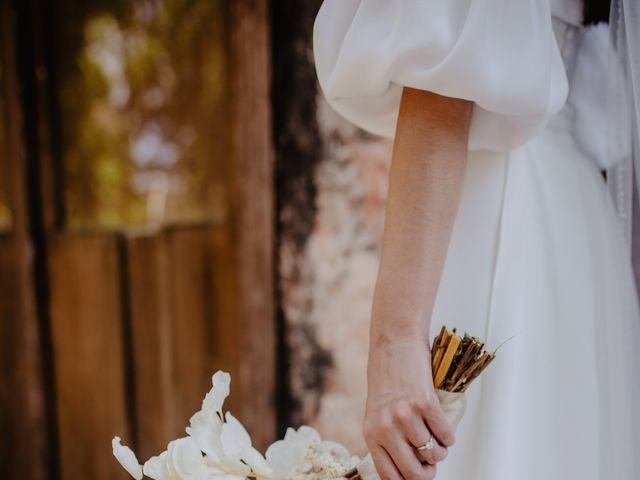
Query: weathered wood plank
[[24, 452], [226, 299], [22, 424], [182, 317], [192, 319], [149, 285], [252, 167], [87, 331]]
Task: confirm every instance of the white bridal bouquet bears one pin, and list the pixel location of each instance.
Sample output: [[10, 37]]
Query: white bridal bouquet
[[217, 446]]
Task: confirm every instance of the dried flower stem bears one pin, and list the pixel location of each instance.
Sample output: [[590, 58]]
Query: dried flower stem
[[457, 361]]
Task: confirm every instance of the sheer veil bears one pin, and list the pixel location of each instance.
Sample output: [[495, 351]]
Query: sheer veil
[[622, 388], [623, 111]]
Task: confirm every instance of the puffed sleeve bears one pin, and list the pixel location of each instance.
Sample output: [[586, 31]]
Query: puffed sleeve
[[500, 54]]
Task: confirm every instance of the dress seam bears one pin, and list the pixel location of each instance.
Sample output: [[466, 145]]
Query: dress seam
[[498, 247]]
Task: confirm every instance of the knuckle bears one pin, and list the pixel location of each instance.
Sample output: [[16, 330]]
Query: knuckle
[[441, 455], [381, 429], [424, 405], [420, 404], [403, 414], [448, 438], [369, 438], [430, 405], [435, 458], [370, 442], [385, 426], [430, 460]]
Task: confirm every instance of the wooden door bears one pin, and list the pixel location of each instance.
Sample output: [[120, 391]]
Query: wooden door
[[114, 324]]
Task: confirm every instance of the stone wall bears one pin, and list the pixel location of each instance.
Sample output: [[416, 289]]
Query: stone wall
[[331, 183], [327, 285]]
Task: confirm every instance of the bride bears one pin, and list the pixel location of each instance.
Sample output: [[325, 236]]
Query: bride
[[498, 222]]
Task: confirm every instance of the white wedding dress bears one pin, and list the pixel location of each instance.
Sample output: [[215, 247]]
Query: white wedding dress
[[537, 251]]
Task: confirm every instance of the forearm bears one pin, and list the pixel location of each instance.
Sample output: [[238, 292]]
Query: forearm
[[427, 173]]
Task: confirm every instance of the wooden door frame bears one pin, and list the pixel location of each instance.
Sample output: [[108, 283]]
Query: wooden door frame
[[252, 153]]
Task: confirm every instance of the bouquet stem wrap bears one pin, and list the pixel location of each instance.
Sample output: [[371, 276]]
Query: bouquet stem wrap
[[454, 405]]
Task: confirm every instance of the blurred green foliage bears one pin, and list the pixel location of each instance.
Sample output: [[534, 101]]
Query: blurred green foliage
[[143, 94]]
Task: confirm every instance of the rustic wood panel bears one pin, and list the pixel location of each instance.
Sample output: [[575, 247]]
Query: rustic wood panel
[[195, 299], [24, 452], [226, 299], [192, 315], [88, 339], [252, 167], [151, 343], [22, 423], [182, 315]]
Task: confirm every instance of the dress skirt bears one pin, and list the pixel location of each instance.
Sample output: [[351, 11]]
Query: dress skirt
[[537, 259]]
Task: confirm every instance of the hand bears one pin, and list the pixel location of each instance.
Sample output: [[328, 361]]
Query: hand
[[402, 410]]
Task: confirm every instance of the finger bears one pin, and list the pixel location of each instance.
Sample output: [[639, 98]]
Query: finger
[[413, 426], [405, 459], [384, 465], [438, 424], [437, 454], [429, 471]]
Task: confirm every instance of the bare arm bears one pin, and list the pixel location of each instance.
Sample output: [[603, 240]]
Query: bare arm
[[427, 172]]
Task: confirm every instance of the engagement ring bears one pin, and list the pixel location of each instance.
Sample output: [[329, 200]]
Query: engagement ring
[[427, 446]]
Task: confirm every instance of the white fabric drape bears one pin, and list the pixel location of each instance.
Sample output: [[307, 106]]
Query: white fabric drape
[[481, 50], [536, 250]]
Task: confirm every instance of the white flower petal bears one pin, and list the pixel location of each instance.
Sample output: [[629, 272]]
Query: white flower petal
[[185, 460], [234, 437], [302, 451], [282, 459], [307, 434], [205, 429], [334, 448], [127, 458], [214, 467], [214, 400], [289, 434], [233, 466], [256, 461], [154, 466]]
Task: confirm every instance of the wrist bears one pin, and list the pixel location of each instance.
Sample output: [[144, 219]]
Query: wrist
[[388, 329], [401, 302], [397, 321]]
